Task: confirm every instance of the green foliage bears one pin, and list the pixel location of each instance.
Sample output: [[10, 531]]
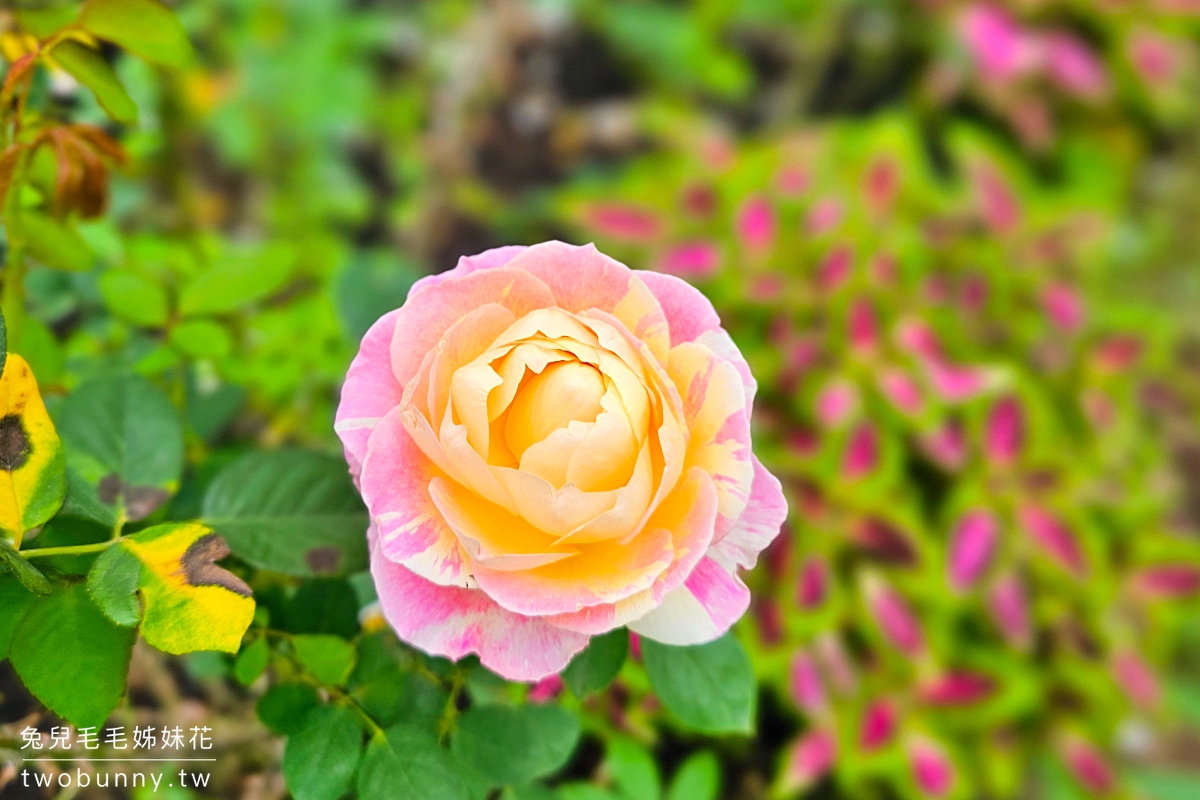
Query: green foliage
[[322, 755], [406, 763], [72, 657], [291, 511], [595, 667], [506, 745], [89, 68], [709, 687]]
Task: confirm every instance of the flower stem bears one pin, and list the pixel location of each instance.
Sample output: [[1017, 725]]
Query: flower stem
[[68, 550]]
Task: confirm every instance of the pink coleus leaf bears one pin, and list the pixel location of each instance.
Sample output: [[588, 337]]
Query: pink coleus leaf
[[878, 725], [956, 688], [894, 616], [1063, 306], [1004, 432], [932, 770], [972, 545], [835, 267], [1000, 48], [901, 391], [1074, 66], [691, 260], [624, 222], [1088, 765], [755, 224], [836, 403], [807, 688], [1136, 679], [808, 759], [824, 216], [861, 456], [545, 690], [1009, 609], [1169, 581], [883, 541], [813, 587], [946, 445], [862, 326], [1054, 538]]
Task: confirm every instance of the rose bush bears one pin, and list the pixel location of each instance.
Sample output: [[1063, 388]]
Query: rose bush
[[550, 446]]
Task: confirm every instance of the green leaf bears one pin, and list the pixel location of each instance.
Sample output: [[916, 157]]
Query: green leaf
[[134, 298], [1163, 785], [89, 68], [53, 243], [408, 764], [16, 601], [596, 666], [72, 657], [143, 27], [240, 279], [252, 661], [509, 745], [202, 338], [284, 707], [124, 437], [330, 659], [113, 583], [709, 687], [190, 603], [320, 758], [372, 284], [29, 575], [323, 605], [82, 501], [290, 511], [698, 778], [632, 768]]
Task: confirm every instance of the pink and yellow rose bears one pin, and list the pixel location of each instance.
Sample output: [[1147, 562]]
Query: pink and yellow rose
[[550, 446]]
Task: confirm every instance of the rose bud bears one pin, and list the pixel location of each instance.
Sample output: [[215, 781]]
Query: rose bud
[[1009, 609], [756, 224], [862, 452], [1004, 432], [1137, 679], [894, 617], [813, 586], [956, 688], [972, 545], [931, 768], [808, 759], [808, 691], [1088, 765], [546, 689], [1171, 581], [1054, 538]]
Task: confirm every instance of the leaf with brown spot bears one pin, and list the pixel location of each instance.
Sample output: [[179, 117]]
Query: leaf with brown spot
[[32, 465], [189, 603]]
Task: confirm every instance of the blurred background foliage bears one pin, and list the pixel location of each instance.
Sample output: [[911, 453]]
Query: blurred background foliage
[[957, 242]]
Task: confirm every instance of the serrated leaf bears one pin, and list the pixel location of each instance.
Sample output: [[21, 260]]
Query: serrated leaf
[[124, 437], [89, 68], [408, 764], [113, 582], [506, 745], [709, 687], [596, 666], [72, 657], [56, 244], [330, 659], [29, 576], [320, 758], [32, 466], [189, 602], [285, 705], [291, 511], [144, 27], [15, 600]]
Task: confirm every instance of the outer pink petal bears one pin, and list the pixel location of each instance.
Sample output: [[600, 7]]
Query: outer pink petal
[[692, 318], [370, 391], [758, 525], [700, 610], [410, 529], [452, 622], [583, 278], [488, 259]]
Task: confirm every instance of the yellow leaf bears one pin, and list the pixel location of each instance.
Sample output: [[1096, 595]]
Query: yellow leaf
[[32, 466]]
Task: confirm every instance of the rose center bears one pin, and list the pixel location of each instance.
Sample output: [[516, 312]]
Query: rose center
[[564, 392]]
